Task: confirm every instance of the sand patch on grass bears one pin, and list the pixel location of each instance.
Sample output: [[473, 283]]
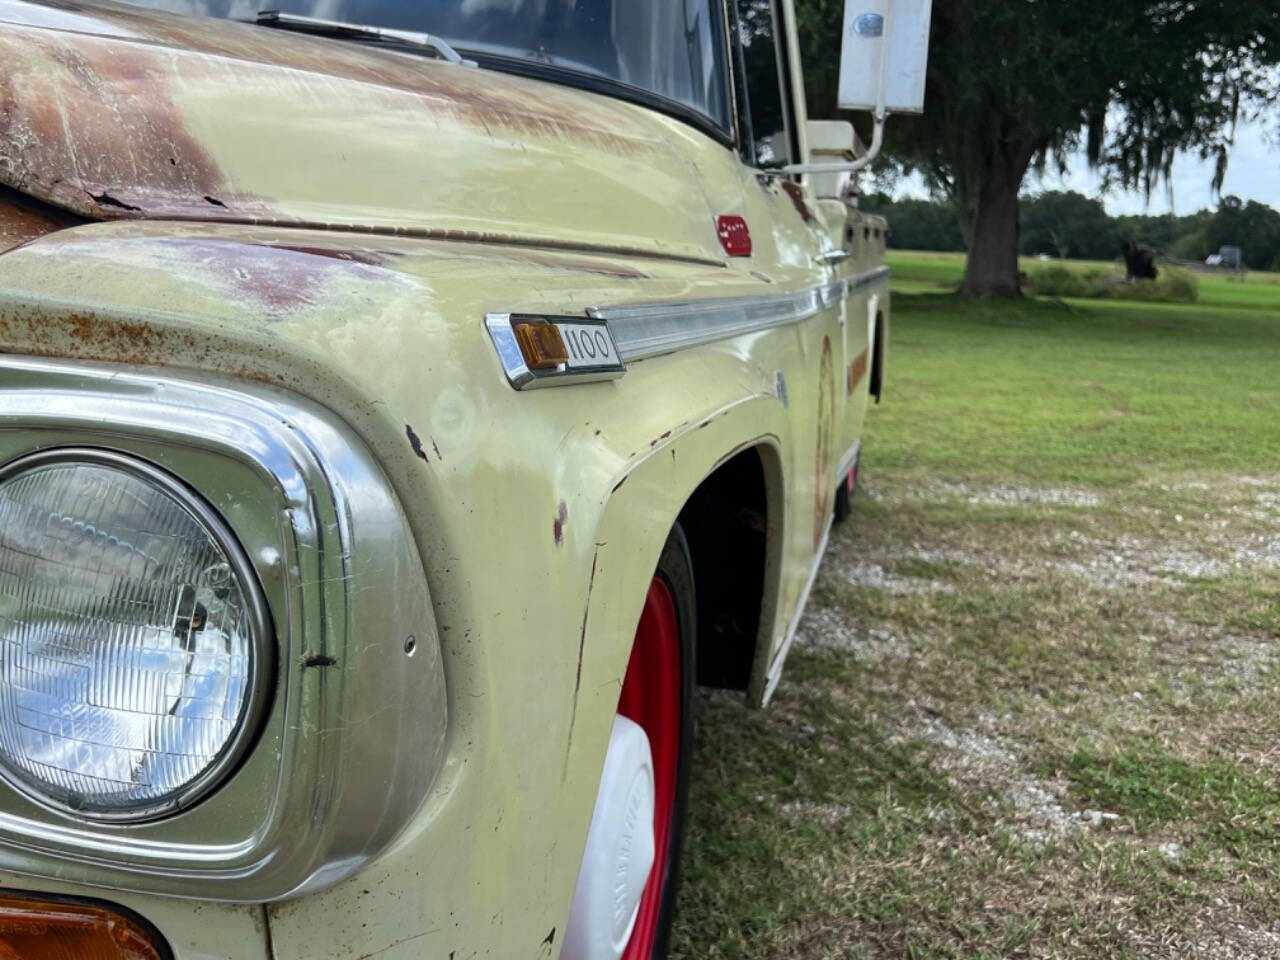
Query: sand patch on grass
[[830, 628], [985, 764], [998, 494], [864, 573]]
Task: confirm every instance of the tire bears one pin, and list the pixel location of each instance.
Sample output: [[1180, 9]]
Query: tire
[[652, 934], [624, 901], [845, 490]]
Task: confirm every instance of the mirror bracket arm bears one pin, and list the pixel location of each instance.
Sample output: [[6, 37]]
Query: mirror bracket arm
[[877, 141]]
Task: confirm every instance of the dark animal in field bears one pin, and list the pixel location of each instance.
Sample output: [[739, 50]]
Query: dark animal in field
[[1139, 262]]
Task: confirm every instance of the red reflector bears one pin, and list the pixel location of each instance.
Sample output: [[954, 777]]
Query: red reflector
[[735, 235]]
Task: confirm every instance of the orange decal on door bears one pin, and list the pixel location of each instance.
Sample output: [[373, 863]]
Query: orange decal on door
[[826, 441], [857, 370]]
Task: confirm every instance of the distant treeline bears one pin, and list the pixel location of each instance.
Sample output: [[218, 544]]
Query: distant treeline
[[1070, 225]]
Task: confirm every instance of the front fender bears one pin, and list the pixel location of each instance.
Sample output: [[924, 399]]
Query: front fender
[[539, 516]]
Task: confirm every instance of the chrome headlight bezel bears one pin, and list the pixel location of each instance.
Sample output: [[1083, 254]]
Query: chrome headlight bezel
[[262, 665], [354, 720]]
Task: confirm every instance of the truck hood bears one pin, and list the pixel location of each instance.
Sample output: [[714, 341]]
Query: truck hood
[[110, 111]]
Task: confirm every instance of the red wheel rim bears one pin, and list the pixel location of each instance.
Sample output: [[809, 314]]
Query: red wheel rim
[[651, 697]]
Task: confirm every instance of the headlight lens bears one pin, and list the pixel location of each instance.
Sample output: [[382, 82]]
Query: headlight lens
[[130, 629]]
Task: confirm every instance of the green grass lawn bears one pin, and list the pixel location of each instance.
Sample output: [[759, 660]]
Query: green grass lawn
[[919, 271], [1033, 707]]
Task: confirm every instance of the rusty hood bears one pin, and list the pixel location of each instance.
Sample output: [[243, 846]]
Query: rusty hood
[[110, 111]]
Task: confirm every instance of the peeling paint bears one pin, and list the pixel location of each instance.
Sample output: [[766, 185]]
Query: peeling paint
[[582, 646], [416, 443], [658, 439], [796, 193], [557, 525]]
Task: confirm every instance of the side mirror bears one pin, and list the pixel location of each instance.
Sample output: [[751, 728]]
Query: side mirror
[[883, 55]]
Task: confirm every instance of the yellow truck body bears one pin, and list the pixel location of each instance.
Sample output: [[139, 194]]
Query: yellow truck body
[[191, 207]]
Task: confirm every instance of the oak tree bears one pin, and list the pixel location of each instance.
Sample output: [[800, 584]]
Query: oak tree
[[1016, 84]]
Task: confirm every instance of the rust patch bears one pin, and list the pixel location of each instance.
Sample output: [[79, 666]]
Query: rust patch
[[89, 120], [273, 280], [368, 258], [23, 219], [796, 194], [95, 131], [86, 335], [657, 440], [122, 340], [857, 370], [416, 444], [557, 525]]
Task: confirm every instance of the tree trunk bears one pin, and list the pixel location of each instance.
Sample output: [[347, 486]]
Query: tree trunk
[[992, 267], [984, 188]]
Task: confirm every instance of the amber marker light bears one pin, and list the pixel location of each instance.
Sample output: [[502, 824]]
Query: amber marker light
[[541, 343], [38, 929]]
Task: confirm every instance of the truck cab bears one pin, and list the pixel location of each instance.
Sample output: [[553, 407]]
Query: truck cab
[[403, 409]]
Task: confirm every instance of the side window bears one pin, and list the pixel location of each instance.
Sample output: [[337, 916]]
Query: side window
[[763, 110]]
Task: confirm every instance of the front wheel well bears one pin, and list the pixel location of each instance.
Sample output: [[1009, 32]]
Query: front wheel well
[[726, 522]]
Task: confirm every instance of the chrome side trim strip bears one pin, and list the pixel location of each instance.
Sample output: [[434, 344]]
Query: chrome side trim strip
[[848, 460], [650, 329]]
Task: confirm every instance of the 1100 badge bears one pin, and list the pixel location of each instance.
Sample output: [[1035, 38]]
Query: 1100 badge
[[588, 345]]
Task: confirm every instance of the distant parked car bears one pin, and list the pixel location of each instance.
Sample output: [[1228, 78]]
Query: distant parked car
[[1231, 257]]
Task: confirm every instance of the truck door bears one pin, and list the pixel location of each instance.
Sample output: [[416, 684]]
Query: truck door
[[789, 240]]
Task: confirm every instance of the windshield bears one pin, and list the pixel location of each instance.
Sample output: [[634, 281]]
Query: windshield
[[672, 49]]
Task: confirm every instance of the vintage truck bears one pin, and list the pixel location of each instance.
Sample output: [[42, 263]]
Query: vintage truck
[[323, 633]]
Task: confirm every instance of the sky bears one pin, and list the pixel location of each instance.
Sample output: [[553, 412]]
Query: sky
[[1253, 173]]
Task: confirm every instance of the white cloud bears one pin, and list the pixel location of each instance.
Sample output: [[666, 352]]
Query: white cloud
[[1253, 173]]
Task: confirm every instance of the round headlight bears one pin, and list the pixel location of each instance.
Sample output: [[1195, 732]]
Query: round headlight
[[131, 631]]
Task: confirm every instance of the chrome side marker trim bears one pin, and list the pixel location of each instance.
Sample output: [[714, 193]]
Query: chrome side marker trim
[[642, 330], [591, 353]]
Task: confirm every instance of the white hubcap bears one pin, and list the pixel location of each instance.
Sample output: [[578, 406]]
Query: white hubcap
[[619, 854]]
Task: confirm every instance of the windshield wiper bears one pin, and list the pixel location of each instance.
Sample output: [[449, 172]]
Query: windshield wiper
[[360, 31]]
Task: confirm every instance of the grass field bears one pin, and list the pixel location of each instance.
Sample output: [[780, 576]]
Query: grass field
[[1034, 706]]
